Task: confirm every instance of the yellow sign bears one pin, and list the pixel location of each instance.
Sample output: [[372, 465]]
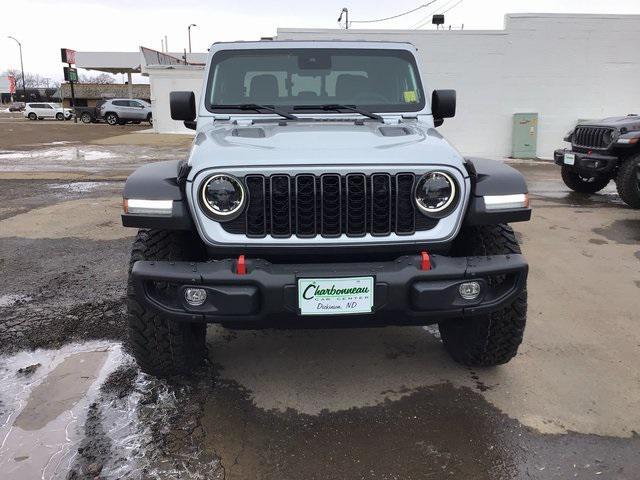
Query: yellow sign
[[410, 96]]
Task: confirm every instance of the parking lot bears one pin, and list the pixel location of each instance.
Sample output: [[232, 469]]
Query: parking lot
[[371, 404]]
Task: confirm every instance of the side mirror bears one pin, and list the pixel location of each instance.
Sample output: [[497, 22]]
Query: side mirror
[[183, 107], [443, 105]]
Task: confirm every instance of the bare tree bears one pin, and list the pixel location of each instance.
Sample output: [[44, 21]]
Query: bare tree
[[31, 80], [102, 79]]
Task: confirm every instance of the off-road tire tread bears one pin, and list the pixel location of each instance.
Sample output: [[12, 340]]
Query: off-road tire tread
[[491, 339], [572, 180], [163, 347], [627, 183]]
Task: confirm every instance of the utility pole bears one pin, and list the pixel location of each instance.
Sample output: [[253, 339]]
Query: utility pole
[[189, 30], [24, 88]]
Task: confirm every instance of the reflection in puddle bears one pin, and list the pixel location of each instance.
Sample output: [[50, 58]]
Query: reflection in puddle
[[85, 411]]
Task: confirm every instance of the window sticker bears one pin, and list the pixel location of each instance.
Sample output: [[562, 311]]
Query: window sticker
[[410, 96]]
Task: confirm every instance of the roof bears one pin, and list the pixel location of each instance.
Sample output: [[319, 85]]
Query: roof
[[111, 62]]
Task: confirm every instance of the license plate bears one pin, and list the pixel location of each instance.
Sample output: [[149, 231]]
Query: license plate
[[569, 158], [335, 296]]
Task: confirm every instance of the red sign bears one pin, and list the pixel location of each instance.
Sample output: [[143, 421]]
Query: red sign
[[68, 56], [12, 84]]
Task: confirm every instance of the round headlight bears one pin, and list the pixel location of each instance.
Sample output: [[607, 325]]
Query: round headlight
[[223, 197], [435, 193]]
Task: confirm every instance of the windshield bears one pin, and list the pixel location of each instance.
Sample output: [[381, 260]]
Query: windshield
[[375, 80]]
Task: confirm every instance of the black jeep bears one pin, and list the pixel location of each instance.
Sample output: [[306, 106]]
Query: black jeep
[[600, 151]]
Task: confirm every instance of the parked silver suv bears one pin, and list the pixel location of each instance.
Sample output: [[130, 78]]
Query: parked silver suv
[[119, 111]]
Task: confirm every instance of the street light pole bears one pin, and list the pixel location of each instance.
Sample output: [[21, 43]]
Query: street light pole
[[24, 89], [189, 30]]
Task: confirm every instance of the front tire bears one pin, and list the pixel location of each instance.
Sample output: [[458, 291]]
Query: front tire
[[85, 118], [164, 347], [111, 119], [494, 338], [59, 116], [628, 181], [581, 183], [150, 119]]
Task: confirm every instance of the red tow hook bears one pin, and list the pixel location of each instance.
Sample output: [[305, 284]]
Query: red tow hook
[[425, 263], [241, 266]]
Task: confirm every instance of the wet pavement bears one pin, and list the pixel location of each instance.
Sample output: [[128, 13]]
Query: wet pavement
[[372, 404]]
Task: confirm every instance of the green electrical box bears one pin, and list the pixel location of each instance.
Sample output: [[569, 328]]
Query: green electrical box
[[525, 135]]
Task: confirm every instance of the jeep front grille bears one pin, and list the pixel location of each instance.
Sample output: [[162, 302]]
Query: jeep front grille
[[592, 137], [329, 205]]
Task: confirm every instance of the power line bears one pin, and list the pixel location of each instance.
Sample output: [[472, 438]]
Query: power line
[[427, 18], [395, 16], [453, 6], [439, 10]]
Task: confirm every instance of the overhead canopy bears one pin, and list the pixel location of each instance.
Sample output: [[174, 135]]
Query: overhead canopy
[[110, 62]]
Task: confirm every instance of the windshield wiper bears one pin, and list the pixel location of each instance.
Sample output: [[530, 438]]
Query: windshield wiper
[[255, 106], [338, 107]]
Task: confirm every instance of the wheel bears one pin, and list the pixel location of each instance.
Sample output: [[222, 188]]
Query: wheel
[[161, 346], [122, 122], [491, 339], [32, 116], [581, 183], [85, 118], [628, 181], [111, 118], [136, 122], [59, 116], [150, 119]]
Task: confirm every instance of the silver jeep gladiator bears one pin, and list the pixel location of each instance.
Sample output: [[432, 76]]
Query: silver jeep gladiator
[[318, 193]]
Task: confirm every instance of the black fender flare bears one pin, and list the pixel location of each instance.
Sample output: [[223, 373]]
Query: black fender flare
[[159, 181], [492, 177]]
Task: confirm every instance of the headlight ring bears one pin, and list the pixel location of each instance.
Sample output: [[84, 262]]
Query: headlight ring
[[222, 197], [436, 194]]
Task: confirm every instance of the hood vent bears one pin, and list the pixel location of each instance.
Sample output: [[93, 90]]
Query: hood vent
[[394, 131], [248, 132]]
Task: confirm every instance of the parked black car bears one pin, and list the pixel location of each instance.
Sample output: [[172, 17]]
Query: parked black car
[[600, 151], [89, 114]]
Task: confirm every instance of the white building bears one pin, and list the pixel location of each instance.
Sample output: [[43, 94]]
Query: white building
[[564, 67]]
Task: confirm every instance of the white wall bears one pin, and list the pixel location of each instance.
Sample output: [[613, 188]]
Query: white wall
[[165, 80], [564, 67]]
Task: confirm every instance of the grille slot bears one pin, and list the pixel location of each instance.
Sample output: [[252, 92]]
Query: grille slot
[[592, 137], [330, 205], [280, 206]]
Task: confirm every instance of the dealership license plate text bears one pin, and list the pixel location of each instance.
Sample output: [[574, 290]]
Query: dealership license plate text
[[335, 296]]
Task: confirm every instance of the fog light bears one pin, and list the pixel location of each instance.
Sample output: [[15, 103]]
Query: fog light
[[469, 290], [195, 296]]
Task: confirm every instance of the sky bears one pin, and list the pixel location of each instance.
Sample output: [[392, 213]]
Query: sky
[[124, 25]]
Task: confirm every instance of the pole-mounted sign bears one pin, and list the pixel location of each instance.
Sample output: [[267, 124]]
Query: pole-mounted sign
[[68, 56], [70, 74]]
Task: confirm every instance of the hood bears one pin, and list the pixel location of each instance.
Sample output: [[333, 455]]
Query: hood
[[630, 122], [325, 142]]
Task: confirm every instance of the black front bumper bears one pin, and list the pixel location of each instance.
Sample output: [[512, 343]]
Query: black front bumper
[[267, 295], [594, 163]]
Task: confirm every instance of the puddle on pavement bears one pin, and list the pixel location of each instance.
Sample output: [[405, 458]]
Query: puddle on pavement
[[11, 299], [76, 187], [85, 411], [625, 232], [85, 157]]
